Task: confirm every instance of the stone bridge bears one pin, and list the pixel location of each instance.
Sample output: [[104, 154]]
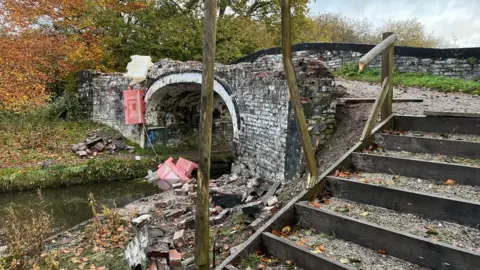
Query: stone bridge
[[252, 113]]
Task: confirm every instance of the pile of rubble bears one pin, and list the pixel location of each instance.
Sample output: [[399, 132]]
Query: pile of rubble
[[98, 142], [165, 224]]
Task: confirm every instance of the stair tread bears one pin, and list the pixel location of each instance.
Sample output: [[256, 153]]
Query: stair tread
[[436, 135], [347, 252], [426, 156], [424, 169], [450, 233], [428, 186]]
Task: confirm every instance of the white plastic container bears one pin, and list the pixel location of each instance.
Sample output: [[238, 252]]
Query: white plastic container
[[138, 68]]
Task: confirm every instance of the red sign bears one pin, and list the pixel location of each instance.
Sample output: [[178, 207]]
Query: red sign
[[134, 107]]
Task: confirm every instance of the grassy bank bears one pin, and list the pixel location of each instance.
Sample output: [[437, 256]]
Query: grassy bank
[[91, 171], [440, 83]]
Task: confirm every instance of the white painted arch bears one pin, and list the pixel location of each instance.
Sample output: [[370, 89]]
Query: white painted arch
[[194, 77]]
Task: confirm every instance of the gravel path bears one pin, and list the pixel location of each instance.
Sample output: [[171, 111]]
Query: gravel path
[[470, 193], [432, 100], [457, 235], [347, 252]]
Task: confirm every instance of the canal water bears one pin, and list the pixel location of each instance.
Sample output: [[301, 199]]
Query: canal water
[[69, 205]]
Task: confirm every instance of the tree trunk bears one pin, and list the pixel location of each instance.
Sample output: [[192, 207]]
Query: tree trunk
[[295, 93], [202, 226]]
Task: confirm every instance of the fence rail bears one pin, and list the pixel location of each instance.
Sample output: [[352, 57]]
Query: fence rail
[[384, 99]]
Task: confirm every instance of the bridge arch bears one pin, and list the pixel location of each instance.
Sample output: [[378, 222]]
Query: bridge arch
[[187, 85]]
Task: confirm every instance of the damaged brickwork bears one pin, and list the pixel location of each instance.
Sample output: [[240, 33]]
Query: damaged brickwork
[[251, 97]]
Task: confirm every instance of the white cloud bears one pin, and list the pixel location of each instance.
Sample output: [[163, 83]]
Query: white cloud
[[445, 18]]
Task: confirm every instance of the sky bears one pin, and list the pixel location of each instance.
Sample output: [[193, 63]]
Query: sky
[[457, 21]]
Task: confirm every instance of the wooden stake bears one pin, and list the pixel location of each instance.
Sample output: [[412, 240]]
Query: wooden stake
[[387, 71], [295, 93], [202, 225]]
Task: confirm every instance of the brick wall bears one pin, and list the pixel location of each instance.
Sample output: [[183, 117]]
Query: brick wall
[[267, 142]]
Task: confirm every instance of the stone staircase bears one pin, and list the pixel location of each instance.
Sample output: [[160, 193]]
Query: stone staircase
[[408, 197]]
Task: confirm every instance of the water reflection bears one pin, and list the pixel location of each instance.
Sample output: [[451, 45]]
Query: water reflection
[[70, 204]]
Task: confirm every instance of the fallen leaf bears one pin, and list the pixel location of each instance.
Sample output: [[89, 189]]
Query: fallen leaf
[[84, 259], [344, 260], [261, 266], [364, 214], [315, 204], [299, 243], [266, 260], [82, 265], [382, 251], [364, 180], [287, 229], [277, 233], [342, 209], [320, 249], [288, 262], [450, 182], [432, 231]]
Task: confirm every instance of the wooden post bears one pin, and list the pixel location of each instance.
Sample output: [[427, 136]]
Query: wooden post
[[295, 93], [387, 71], [202, 224]]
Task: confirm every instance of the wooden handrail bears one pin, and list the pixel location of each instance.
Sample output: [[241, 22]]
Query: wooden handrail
[[377, 50], [372, 119]]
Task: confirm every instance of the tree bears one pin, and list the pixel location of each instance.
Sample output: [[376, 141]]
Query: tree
[[412, 33], [39, 47], [335, 27]]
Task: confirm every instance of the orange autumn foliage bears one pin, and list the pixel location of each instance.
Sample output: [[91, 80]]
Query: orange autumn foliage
[[42, 42]]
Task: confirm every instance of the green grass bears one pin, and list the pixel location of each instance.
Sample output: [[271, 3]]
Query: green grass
[[91, 171], [434, 82]]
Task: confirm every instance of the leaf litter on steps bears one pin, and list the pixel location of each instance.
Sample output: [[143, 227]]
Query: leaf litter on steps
[[436, 230]]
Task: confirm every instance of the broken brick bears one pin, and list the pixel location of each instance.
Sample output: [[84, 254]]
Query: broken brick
[[187, 223], [252, 208], [227, 200], [161, 204], [174, 213], [178, 237], [271, 191], [175, 258], [158, 248], [141, 220], [181, 192], [272, 201], [218, 209], [221, 217], [177, 185]]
